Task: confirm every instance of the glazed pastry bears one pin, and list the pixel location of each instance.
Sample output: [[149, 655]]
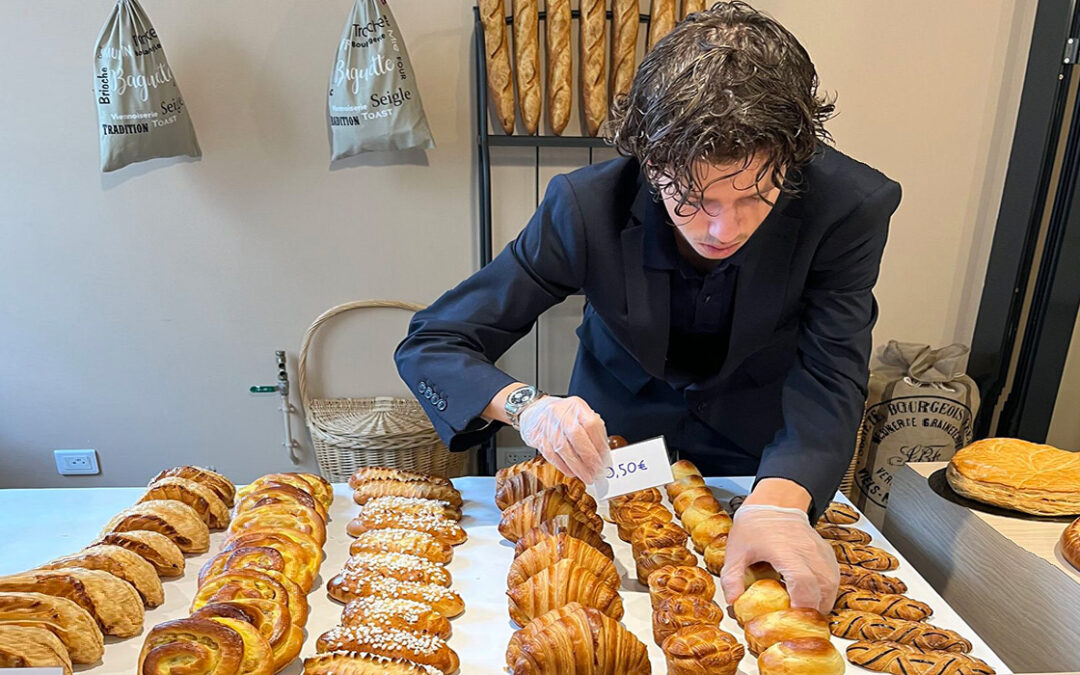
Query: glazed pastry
[[253, 557], [691, 6], [1014, 474], [113, 602], [657, 535], [399, 488], [630, 517], [269, 618], [526, 483], [119, 562], [839, 513], [395, 613], [349, 585], [852, 625], [562, 583], [762, 597], [258, 658], [885, 604], [153, 547], [803, 655], [671, 581], [400, 566], [843, 533], [443, 529], [253, 583], [699, 648], [221, 485], [687, 497], [624, 27], [867, 557], [1070, 543], [423, 648], [176, 520], [527, 63], [652, 559], [370, 473], [194, 645], [677, 611], [204, 501], [893, 657], [766, 630], [31, 647], [705, 532], [362, 663], [599, 645], [560, 71], [572, 525], [551, 550], [869, 580], [544, 505], [317, 486], [701, 508], [715, 554], [273, 492], [301, 553], [76, 629], [281, 516], [683, 484], [593, 39], [544, 470], [661, 21], [646, 495], [684, 468], [396, 540]]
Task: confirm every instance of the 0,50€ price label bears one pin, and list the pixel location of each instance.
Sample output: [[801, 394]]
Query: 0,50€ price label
[[635, 467]]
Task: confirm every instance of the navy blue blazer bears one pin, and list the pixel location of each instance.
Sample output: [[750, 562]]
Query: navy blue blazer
[[791, 390]]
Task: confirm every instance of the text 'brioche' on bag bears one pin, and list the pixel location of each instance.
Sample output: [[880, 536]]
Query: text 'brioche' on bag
[[141, 113], [374, 101]]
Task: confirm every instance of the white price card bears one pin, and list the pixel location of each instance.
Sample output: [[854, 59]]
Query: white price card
[[635, 467]]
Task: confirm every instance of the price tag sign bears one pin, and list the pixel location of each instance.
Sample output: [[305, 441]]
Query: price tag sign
[[635, 467]]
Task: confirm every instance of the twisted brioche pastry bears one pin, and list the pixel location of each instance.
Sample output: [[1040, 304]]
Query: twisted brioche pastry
[[526, 483], [222, 486], [281, 516], [369, 473], [686, 498], [839, 513], [400, 488], [576, 639], [801, 655], [199, 497], [715, 554], [500, 78], [122, 564], [555, 586], [629, 517], [153, 547], [886, 604], [671, 581], [527, 63], [551, 550], [593, 40], [241, 557], [700, 648], [560, 72], [317, 486], [31, 647], [272, 492], [684, 468], [852, 625], [691, 6], [72, 624], [300, 552], [762, 597], [195, 646], [681, 485], [352, 584], [252, 583], [412, 505], [766, 630], [361, 663], [269, 618], [652, 559], [677, 611], [176, 520], [400, 566], [443, 529], [869, 580], [1070, 543], [570, 524], [646, 495], [868, 557], [544, 505], [398, 540], [624, 26], [422, 648], [113, 602], [655, 534], [893, 657], [661, 20], [702, 507], [395, 613], [707, 531]]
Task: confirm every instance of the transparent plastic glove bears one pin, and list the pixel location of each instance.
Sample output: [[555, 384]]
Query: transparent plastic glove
[[783, 538], [568, 433]]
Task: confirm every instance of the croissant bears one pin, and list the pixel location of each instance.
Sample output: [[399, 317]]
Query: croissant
[[316, 486], [281, 516], [114, 603], [176, 520], [397, 540], [543, 469], [680, 485], [851, 535], [352, 584], [700, 648], [839, 513], [766, 630], [270, 618], [199, 497], [412, 505], [672, 613], [762, 597], [555, 586], [423, 648], [672, 581], [657, 535], [401, 566], [652, 559], [360, 663], [406, 615], [369, 473], [569, 524], [869, 580], [153, 547], [892, 657], [852, 625], [253, 583], [221, 485], [526, 483], [715, 554], [551, 550], [1070, 543], [273, 492], [122, 564], [194, 645], [76, 629], [576, 639], [443, 529], [869, 557], [544, 505], [301, 553], [31, 647], [240, 557], [886, 604], [705, 532], [399, 488]]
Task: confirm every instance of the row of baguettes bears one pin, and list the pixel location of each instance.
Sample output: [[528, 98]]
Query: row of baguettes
[[592, 56]]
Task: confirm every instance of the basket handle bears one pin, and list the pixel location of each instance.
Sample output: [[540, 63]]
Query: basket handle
[[326, 316]]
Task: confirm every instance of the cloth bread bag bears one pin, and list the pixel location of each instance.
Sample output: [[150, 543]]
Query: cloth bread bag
[[374, 99], [141, 113], [921, 408]]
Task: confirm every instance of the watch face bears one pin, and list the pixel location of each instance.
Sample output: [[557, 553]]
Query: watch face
[[521, 396]]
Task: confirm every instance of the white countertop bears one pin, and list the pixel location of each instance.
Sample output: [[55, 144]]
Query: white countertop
[[42, 524]]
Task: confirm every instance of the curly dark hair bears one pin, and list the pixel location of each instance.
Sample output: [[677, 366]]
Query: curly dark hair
[[726, 85]]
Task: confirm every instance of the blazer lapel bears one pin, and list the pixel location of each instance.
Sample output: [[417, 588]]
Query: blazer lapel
[[648, 293]]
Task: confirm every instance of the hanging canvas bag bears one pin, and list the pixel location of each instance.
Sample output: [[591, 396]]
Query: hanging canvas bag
[[141, 113], [374, 98]]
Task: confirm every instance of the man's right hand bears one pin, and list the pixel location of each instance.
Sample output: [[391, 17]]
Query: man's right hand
[[568, 434]]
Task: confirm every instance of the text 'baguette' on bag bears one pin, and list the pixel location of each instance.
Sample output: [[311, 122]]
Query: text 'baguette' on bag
[[141, 113], [374, 98]]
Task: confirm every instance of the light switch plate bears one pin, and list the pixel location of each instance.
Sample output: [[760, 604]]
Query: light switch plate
[[508, 456], [76, 462]]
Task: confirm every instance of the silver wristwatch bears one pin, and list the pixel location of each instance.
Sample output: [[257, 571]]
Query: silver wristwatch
[[519, 399]]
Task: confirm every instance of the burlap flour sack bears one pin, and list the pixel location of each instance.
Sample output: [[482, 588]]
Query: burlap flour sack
[[374, 98], [140, 110], [920, 408]]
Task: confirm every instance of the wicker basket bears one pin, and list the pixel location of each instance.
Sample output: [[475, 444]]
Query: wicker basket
[[349, 433]]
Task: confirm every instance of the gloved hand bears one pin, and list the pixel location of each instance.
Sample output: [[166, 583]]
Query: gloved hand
[[784, 538], [568, 433]]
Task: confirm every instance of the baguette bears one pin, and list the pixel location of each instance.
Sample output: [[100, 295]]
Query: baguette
[[661, 20], [527, 62], [560, 59], [593, 64], [497, 52]]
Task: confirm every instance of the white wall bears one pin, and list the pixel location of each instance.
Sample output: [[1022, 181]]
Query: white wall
[[136, 309]]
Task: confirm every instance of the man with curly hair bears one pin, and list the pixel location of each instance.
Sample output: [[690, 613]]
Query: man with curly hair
[[727, 259]]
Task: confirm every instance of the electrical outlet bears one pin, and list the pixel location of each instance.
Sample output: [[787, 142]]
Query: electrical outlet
[[76, 462], [505, 457]]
